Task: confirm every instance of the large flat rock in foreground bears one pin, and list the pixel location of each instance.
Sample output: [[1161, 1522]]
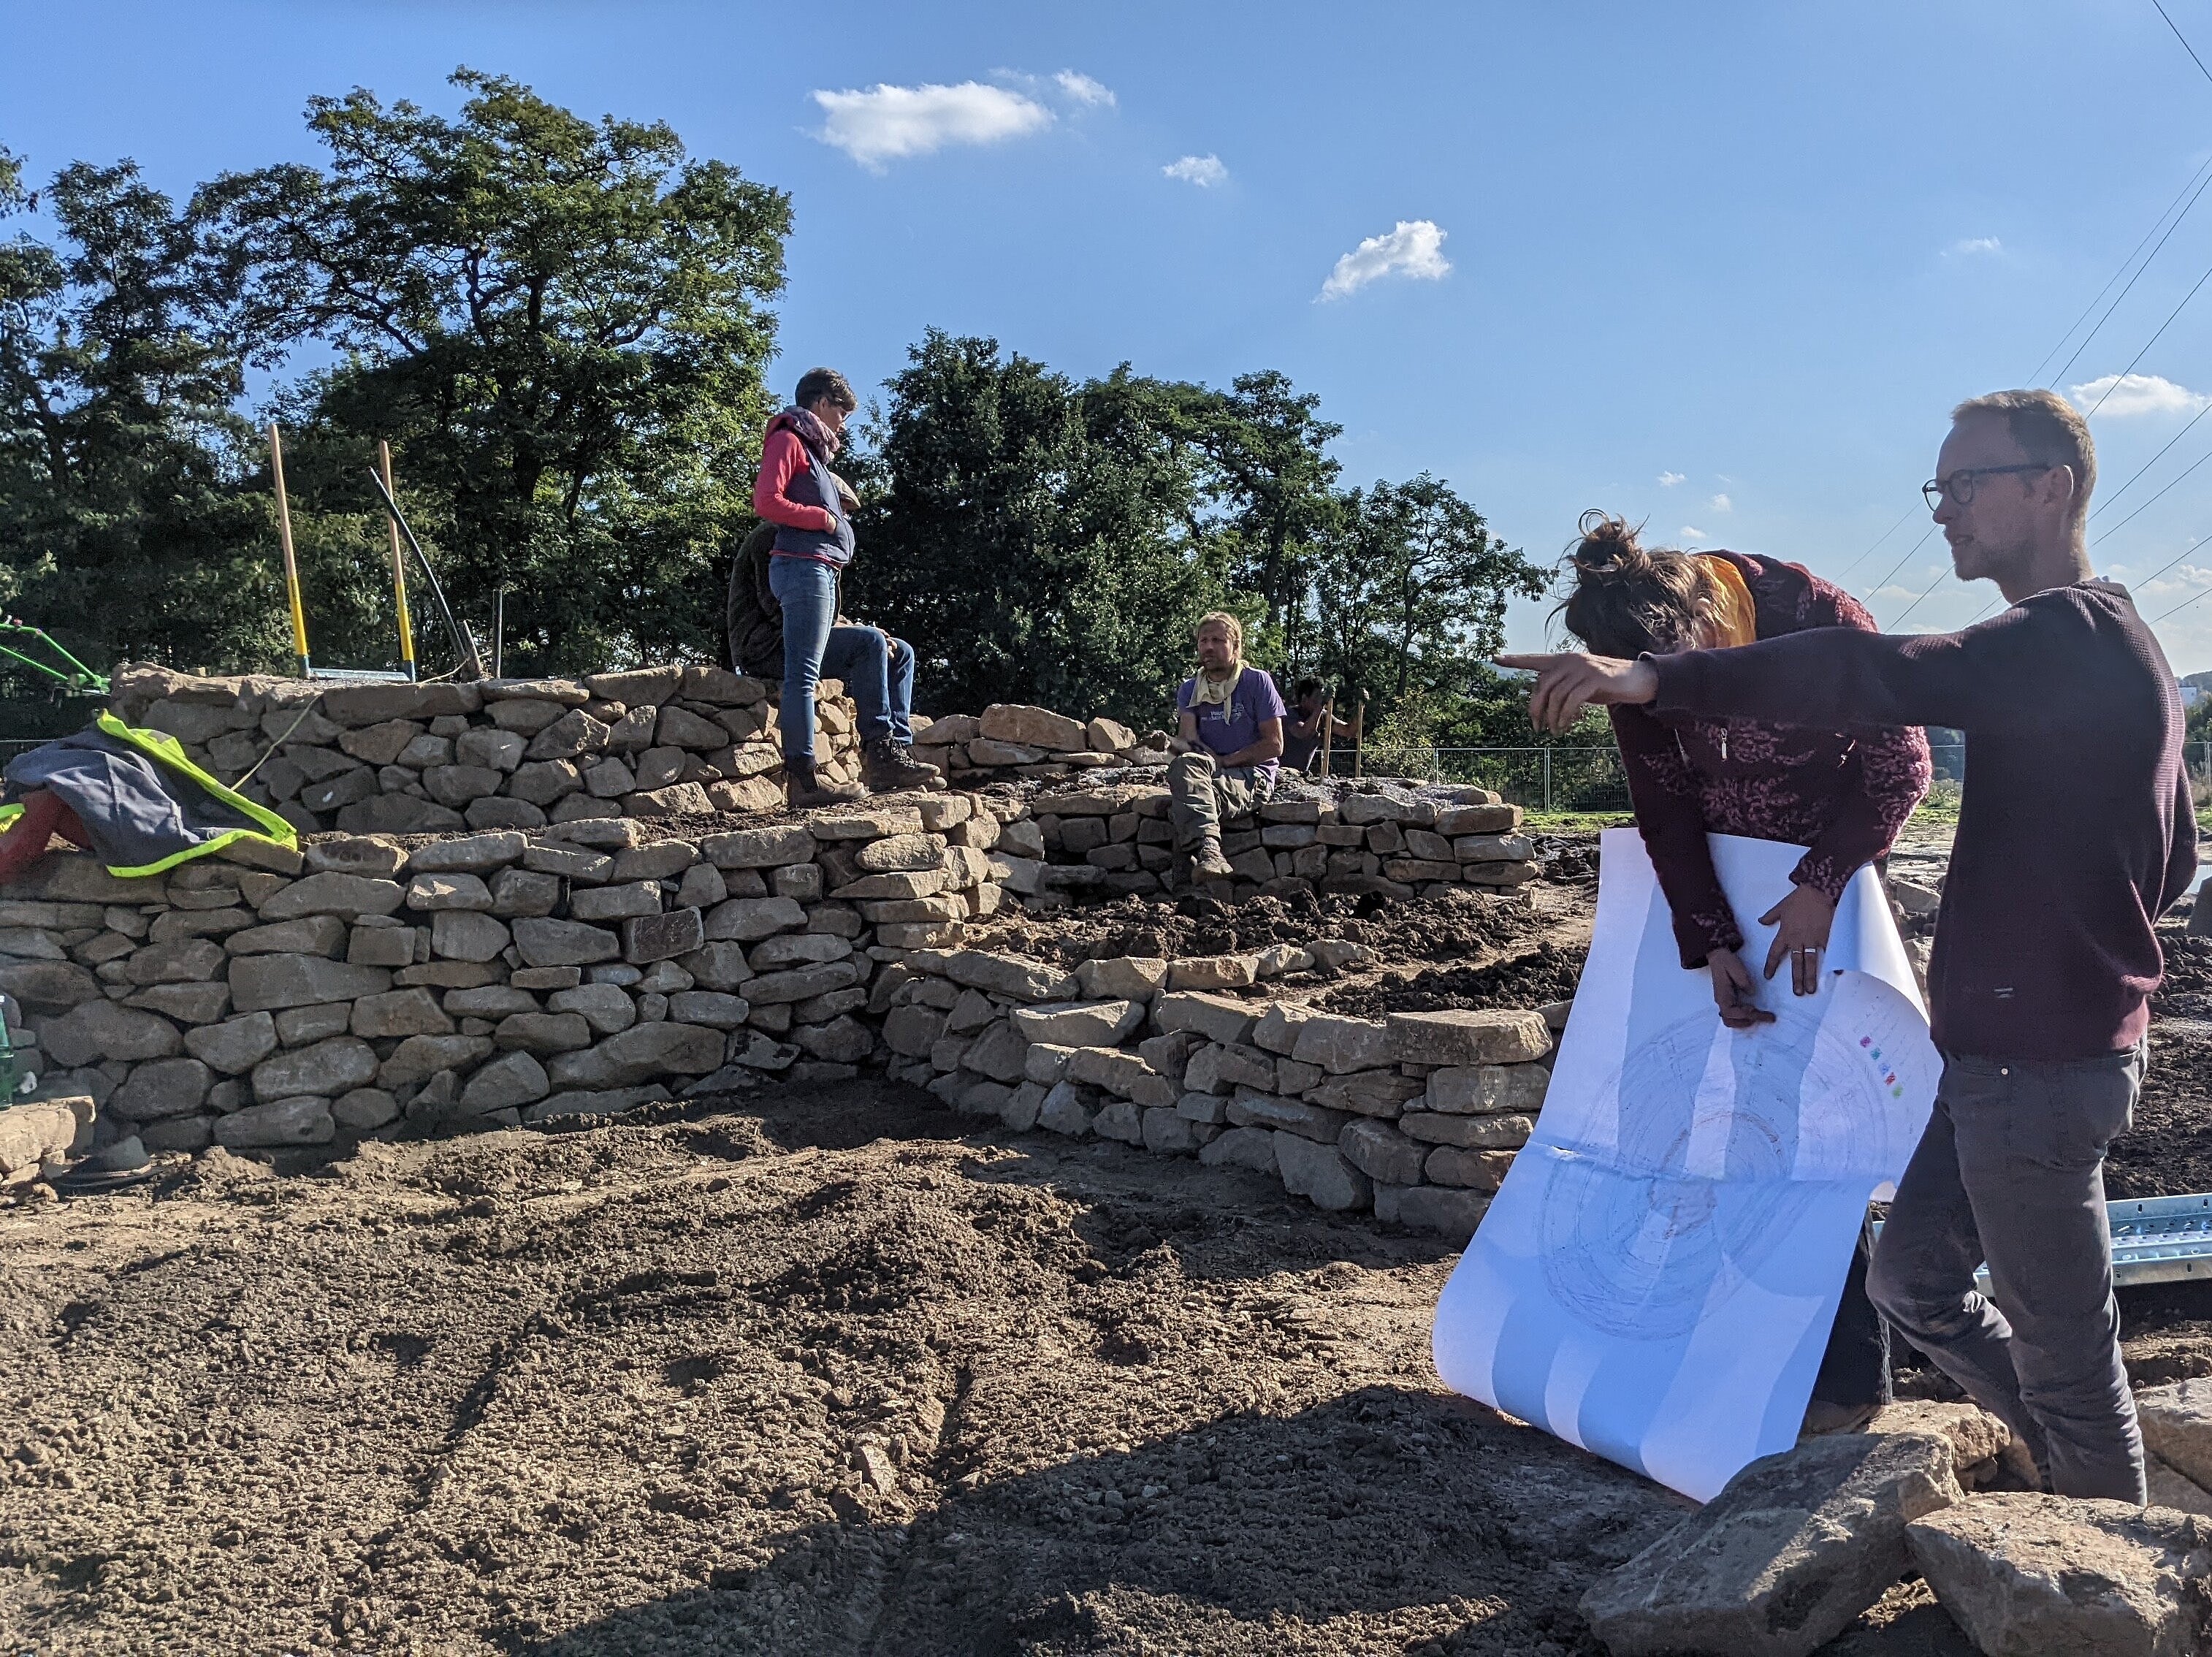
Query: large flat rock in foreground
[[2034, 1575], [1785, 1557]]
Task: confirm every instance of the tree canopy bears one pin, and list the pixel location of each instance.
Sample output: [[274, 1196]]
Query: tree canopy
[[562, 327]]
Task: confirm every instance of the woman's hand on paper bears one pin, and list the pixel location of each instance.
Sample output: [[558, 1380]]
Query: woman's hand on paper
[[1567, 683], [1734, 991], [1801, 920]]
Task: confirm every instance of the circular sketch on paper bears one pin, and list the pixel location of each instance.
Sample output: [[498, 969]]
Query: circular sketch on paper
[[1708, 1176]]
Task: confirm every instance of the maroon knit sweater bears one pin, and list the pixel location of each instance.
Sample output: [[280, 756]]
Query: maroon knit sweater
[[2075, 831], [1842, 793]]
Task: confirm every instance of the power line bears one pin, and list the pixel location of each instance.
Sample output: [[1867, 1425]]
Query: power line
[[2185, 46], [2122, 376], [2201, 178], [1884, 536], [2193, 191], [2146, 506], [2136, 475], [1902, 562], [1914, 605], [2184, 604]]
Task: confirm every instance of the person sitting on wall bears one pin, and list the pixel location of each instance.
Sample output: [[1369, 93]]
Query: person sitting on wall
[[790, 627], [1233, 714], [1303, 731]]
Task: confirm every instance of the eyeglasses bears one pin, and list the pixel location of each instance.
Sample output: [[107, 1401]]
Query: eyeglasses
[[1960, 486]]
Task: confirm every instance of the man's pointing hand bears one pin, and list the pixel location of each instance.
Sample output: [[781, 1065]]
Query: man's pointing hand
[[1566, 683]]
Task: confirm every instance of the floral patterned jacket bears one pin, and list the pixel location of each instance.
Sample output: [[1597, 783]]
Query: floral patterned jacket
[[1842, 793]]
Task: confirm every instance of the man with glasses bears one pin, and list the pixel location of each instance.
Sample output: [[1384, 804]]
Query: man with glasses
[[2075, 833]]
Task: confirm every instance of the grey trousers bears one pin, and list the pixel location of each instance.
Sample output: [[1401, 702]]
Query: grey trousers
[[2011, 1171], [1200, 794]]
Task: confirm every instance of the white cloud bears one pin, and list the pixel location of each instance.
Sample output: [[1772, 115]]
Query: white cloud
[[1204, 171], [1721, 503], [1970, 245], [1691, 533], [884, 123], [1083, 88], [1415, 248], [1668, 480], [2136, 394]]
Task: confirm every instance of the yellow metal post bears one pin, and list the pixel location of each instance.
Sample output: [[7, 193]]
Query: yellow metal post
[[291, 564], [399, 564]]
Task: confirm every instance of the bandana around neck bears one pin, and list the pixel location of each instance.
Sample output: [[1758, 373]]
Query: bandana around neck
[[1209, 692]]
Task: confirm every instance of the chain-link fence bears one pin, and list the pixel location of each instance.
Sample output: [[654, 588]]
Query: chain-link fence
[[1591, 779], [1538, 779]]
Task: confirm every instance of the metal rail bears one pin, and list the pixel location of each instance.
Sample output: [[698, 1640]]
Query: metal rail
[[2155, 1239]]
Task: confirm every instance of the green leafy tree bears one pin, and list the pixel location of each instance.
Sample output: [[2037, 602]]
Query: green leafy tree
[[125, 529], [1410, 585], [1036, 540], [561, 326], [1271, 488]]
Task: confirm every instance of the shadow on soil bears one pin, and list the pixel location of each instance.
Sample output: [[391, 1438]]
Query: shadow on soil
[[1384, 1519]]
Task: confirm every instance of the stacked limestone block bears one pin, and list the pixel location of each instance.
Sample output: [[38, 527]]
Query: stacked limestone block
[[1117, 840], [436, 758], [489, 979], [1008, 742], [1416, 1117]]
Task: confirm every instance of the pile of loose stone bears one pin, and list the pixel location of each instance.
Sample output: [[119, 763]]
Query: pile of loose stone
[[1399, 840], [518, 754], [1012, 741], [1798, 1545], [1416, 1117]]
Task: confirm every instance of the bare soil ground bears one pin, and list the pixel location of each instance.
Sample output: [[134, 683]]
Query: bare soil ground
[[804, 1377], [803, 1373]]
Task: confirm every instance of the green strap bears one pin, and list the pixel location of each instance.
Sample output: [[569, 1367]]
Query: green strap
[[164, 749]]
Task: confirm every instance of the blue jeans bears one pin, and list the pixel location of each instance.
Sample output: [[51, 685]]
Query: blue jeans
[[876, 668]]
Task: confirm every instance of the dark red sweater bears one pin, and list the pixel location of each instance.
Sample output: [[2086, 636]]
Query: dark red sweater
[[1843, 794], [2075, 831]]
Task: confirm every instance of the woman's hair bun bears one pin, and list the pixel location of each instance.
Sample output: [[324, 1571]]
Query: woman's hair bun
[[1608, 547]]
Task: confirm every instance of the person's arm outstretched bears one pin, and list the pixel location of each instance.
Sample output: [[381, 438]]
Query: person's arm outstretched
[[1994, 676]]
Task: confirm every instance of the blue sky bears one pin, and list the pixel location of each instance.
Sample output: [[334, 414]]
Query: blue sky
[[1725, 266]]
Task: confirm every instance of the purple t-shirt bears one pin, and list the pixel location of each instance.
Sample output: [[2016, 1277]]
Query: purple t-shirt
[[1231, 728]]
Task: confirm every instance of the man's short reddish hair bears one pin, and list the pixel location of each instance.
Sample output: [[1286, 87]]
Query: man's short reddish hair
[[2049, 430]]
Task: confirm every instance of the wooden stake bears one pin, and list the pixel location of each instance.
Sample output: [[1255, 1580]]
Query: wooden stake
[[399, 564], [1359, 735], [291, 564]]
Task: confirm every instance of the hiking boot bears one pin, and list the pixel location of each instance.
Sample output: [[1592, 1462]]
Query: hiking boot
[[1823, 1417], [1207, 863], [891, 768], [804, 791]]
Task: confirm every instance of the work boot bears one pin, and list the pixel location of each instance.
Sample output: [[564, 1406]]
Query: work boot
[[1207, 863], [1823, 1417], [891, 768], [804, 791]]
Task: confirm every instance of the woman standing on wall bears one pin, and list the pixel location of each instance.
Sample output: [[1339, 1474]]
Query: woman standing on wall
[[1844, 795]]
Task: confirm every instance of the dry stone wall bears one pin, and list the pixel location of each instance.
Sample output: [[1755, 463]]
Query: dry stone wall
[[437, 759], [1400, 841], [485, 927], [362, 983], [1415, 1117]]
